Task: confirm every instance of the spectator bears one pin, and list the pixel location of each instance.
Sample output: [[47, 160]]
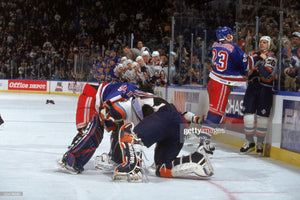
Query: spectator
[[289, 57], [141, 47], [131, 53], [2, 74], [198, 47], [293, 73], [48, 31], [173, 67], [113, 56]]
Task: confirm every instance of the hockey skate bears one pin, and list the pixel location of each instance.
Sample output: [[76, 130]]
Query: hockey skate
[[63, 166], [259, 148], [248, 147], [130, 169]]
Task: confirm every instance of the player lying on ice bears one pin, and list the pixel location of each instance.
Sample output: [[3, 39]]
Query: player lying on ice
[[157, 122]]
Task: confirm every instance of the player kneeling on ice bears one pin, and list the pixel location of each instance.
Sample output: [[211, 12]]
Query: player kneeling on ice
[[160, 125], [157, 122]]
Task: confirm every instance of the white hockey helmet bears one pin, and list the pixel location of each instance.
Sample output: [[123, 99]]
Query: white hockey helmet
[[124, 66], [124, 58], [155, 53], [118, 68], [145, 53], [128, 61], [135, 64], [139, 58], [269, 40]]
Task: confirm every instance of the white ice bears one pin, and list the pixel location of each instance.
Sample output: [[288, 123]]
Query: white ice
[[35, 135]]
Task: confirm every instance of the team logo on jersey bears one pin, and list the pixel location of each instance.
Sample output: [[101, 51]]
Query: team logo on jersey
[[122, 88]]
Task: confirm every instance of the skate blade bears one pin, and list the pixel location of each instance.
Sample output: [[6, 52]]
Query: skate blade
[[127, 177], [65, 169]]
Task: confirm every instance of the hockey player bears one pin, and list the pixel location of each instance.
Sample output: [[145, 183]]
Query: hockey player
[[230, 64], [259, 96], [156, 78], [159, 123], [86, 105], [91, 123], [113, 110], [129, 75], [85, 108], [118, 71], [142, 72]]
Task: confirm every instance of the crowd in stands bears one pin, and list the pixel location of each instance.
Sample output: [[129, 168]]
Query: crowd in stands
[[90, 40]]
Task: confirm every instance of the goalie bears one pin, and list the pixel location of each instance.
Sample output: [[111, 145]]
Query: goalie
[[143, 109], [91, 123]]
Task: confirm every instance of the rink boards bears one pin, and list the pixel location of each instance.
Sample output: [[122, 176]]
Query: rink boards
[[283, 138]]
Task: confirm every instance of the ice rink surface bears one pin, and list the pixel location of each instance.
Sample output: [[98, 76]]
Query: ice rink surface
[[35, 135]]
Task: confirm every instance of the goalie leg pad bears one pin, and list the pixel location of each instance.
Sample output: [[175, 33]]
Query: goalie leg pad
[[82, 150], [197, 163], [115, 150], [129, 169]]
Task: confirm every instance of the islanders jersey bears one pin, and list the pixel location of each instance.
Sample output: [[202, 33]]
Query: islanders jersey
[[264, 71], [230, 64]]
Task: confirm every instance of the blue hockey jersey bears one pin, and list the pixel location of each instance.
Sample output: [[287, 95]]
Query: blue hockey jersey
[[230, 64]]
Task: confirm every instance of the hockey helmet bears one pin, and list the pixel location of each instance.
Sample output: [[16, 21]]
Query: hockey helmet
[[155, 53], [222, 33], [269, 40], [139, 58], [145, 53], [135, 64], [124, 58]]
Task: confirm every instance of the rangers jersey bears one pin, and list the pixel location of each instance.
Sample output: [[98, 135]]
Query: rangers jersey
[[230, 64]]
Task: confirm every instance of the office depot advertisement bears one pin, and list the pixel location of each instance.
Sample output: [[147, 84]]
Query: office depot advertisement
[[27, 85]]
